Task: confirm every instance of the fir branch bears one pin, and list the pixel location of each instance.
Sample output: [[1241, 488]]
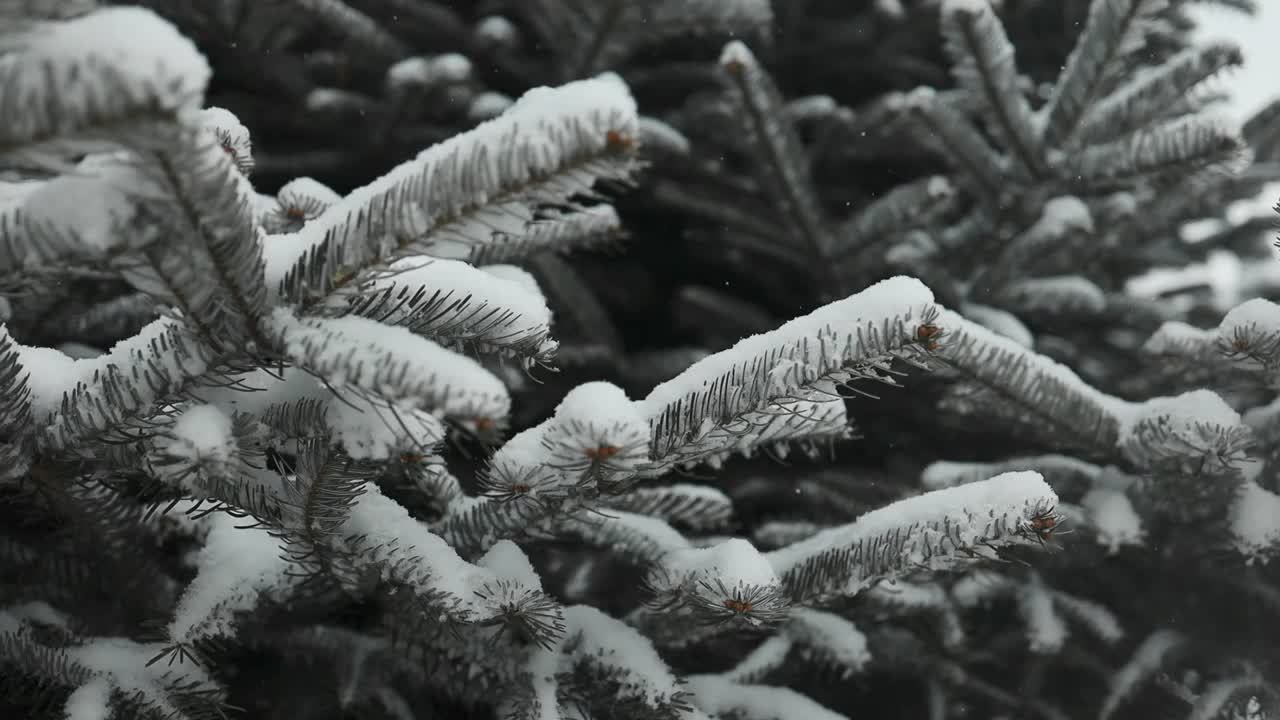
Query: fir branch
[[842, 341], [1146, 661], [983, 62], [895, 212], [298, 202], [16, 444], [696, 507], [15, 10], [1038, 387], [639, 539], [781, 155], [205, 206], [723, 698], [935, 530], [1114, 29], [85, 78], [112, 397], [1062, 295], [1152, 94], [380, 361], [1190, 145], [601, 648], [586, 228], [960, 142], [459, 306], [357, 27], [550, 146]]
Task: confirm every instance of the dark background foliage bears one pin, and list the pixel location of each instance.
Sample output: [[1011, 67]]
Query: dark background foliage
[[679, 285]]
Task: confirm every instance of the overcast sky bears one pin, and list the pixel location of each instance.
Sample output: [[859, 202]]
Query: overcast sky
[[1258, 82]]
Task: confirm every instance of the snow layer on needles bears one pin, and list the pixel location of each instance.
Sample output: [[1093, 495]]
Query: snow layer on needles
[[610, 642], [90, 701], [736, 563], [201, 432], [1174, 336], [90, 206], [952, 321], [235, 565], [371, 430], [404, 548], [482, 305], [1001, 322], [1113, 517], [1255, 521], [391, 363], [1181, 415], [832, 634], [128, 666], [118, 60], [971, 514], [721, 697], [560, 122], [154, 348], [1250, 319], [844, 324], [591, 416]]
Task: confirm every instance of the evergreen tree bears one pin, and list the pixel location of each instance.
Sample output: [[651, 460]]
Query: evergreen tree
[[321, 399]]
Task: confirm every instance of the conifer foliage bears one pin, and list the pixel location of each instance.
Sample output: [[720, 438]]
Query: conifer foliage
[[258, 454]]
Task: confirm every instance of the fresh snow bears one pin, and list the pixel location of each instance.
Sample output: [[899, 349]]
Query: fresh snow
[[1255, 521], [1094, 616], [518, 276], [496, 29], [593, 634], [235, 565], [1063, 214], [390, 363], [816, 344], [837, 637], [309, 189], [764, 659], [591, 416], [1175, 336], [1072, 293], [230, 132], [201, 433], [140, 61], [369, 429], [1118, 408], [1181, 415], [488, 105], [1113, 517], [735, 562], [979, 588], [656, 133], [983, 512], [1251, 319], [447, 69], [507, 560], [947, 473], [51, 374], [558, 123], [724, 698], [1001, 322], [127, 665], [1046, 632], [402, 547], [469, 303], [90, 701], [90, 206]]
